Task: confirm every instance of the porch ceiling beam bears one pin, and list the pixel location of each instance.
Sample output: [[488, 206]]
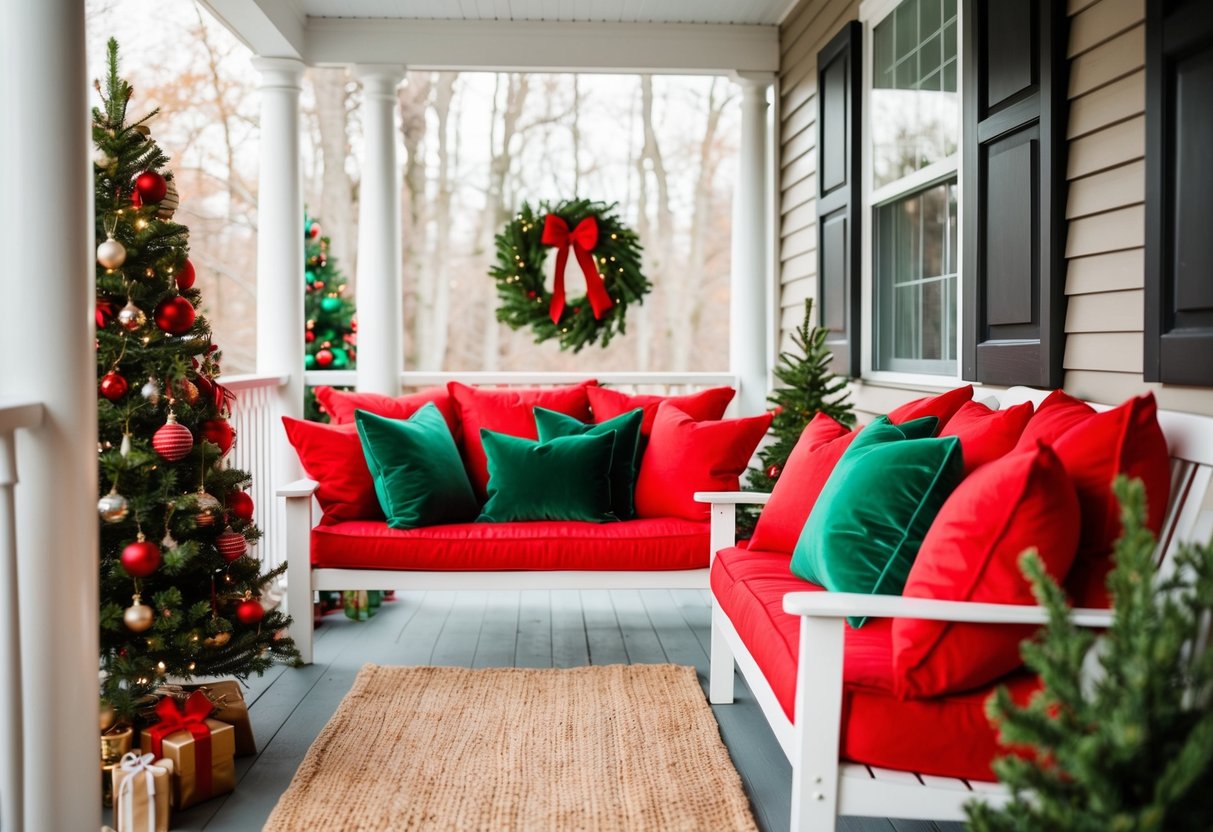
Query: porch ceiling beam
[[545, 47], [270, 28]]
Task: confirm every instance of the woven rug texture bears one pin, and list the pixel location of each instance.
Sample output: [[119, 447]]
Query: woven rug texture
[[613, 747]]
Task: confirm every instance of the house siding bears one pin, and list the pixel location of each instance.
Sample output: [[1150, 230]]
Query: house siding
[[1105, 204]]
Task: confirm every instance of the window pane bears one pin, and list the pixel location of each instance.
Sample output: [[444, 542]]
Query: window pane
[[915, 108], [915, 275]]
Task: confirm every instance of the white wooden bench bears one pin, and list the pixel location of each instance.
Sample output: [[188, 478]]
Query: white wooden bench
[[823, 787]]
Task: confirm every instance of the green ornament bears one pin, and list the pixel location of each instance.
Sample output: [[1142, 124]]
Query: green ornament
[[309, 362], [330, 304], [340, 358], [310, 276]]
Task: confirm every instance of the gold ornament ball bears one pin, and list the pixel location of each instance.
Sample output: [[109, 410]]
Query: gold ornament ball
[[131, 317], [113, 508], [167, 206], [107, 717], [111, 253], [217, 640], [207, 510], [138, 617]]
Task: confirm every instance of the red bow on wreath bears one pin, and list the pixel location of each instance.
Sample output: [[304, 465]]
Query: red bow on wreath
[[583, 239], [192, 719]]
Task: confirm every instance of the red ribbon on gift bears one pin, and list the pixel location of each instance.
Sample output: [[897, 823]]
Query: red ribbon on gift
[[583, 238], [192, 719]]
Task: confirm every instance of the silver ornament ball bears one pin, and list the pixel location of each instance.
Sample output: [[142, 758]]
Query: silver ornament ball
[[113, 508], [131, 317], [206, 509], [111, 253], [151, 391]]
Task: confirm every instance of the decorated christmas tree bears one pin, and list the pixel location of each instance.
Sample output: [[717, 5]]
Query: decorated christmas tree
[[805, 387], [180, 595], [1120, 737], [331, 333]]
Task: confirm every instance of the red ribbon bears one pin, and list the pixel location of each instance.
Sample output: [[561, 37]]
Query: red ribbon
[[583, 239], [192, 719]]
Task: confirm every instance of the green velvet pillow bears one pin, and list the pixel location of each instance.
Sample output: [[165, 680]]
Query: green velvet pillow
[[866, 527], [418, 473], [625, 459], [567, 478]]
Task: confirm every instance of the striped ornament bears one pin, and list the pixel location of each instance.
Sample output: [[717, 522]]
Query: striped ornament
[[231, 545], [173, 441]]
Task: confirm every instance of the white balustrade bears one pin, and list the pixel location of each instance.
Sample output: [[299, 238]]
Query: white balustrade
[[655, 383], [256, 418]]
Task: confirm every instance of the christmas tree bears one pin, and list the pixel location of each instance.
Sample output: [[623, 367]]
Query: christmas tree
[[179, 594], [805, 388], [1120, 737], [331, 329]]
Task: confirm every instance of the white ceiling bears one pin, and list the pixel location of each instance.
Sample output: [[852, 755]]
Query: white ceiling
[[761, 12]]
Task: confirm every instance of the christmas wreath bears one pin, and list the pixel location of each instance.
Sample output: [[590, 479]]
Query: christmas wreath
[[607, 253]]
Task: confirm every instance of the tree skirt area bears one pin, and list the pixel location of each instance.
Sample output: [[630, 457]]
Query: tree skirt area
[[591, 748]]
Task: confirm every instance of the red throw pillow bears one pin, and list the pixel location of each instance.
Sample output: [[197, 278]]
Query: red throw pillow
[[706, 404], [985, 434], [341, 404], [971, 553], [510, 411], [686, 455], [332, 456], [1056, 414], [817, 451], [1124, 440], [942, 407]]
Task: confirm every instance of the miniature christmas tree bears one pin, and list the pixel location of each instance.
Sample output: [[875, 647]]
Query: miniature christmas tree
[[805, 388], [1120, 738], [179, 594], [331, 333]]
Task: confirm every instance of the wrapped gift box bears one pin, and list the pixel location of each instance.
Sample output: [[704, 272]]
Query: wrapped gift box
[[201, 749], [228, 701], [142, 789]]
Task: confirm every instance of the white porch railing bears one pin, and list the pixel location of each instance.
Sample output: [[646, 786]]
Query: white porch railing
[[14, 415], [255, 417], [655, 383]]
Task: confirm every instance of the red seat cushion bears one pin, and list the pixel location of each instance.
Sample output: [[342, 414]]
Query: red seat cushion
[[332, 456], [1054, 416], [971, 553], [706, 404], [942, 407], [985, 434], [946, 736], [341, 404], [1124, 440], [656, 543], [685, 456], [817, 451], [509, 411]]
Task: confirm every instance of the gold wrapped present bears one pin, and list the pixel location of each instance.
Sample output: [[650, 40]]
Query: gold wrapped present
[[202, 750], [229, 707], [141, 793]]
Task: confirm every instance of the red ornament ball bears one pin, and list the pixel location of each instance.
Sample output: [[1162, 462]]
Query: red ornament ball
[[150, 186], [240, 504], [141, 558], [231, 545], [173, 441], [175, 315], [249, 611], [324, 358], [313, 230], [531, 294], [220, 432], [185, 275], [309, 336], [773, 471], [104, 313], [113, 385]]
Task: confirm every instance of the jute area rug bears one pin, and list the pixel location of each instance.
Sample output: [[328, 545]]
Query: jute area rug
[[615, 747]]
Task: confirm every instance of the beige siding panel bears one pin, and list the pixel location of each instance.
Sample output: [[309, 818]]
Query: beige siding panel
[[808, 27], [1115, 188], [1105, 63], [798, 218], [1106, 312], [1114, 388], [1103, 21], [803, 119], [1075, 6], [794, 147], [837, 13], [1107, 148], [797, 169], [1109, 272], [1120, 229], [800, 193], [1117, 101], [802, 265], [798, 242], [795, 293], [1118, 352], [792, 316]]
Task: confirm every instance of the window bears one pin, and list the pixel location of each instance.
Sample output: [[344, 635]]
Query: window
[[914, 118]]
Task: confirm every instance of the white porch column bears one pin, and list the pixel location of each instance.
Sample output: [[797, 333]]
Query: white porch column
[[280, 250], [750, 279], [378, 290], [46, 230]]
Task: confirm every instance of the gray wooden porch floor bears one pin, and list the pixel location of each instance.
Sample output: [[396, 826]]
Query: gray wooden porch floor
[[564, 628]]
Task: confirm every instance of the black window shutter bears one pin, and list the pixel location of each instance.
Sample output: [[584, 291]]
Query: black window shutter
[[1013, 192], [839, 91], [1179, 179]]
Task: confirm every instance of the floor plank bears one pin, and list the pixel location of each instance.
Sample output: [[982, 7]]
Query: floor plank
[[561, 628]]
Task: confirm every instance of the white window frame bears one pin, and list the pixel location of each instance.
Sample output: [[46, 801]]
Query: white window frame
[[872, 12]]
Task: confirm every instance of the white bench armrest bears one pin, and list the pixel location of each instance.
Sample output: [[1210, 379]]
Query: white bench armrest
[[733, 498], [298, 488], [844, 604]]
